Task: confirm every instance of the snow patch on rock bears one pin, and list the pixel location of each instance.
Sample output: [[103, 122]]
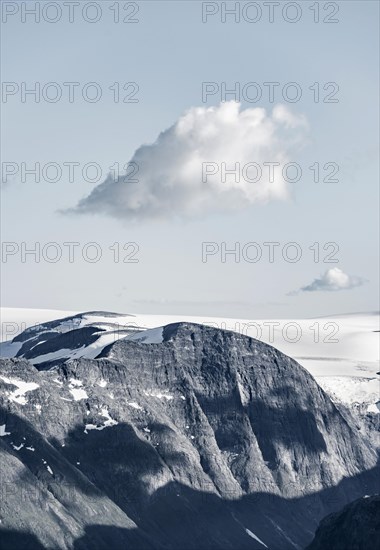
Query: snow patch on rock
[[150, 336], [252, 535], [78, 393], [3, 433], [135, 406], [18, 396], [159, 395]]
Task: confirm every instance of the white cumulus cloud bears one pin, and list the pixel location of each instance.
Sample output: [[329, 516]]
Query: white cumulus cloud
[[334, 279], [181, 173]]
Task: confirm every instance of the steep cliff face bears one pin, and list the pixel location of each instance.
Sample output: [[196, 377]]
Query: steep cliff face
[[182, 437], [356, 527]]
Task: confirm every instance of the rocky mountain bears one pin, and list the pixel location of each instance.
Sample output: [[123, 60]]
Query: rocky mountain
[[180, 437], [81, 335], [356, 527], [346, 366]]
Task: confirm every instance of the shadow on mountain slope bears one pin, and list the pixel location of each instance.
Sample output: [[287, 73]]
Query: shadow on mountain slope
[[19, 540], [175, 515]]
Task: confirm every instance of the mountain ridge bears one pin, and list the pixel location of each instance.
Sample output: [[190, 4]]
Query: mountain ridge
[[201, 427]]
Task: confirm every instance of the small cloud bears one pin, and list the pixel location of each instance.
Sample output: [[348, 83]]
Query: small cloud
[[170, 175], [334, 279]]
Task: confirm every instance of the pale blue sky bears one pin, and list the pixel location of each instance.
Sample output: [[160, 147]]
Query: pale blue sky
[[169, 53]]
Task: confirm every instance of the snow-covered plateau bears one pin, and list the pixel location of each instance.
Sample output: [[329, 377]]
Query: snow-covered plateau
[[340, 351]]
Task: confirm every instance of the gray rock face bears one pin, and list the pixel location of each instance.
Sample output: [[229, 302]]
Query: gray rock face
[[208, 439], [356, 527]]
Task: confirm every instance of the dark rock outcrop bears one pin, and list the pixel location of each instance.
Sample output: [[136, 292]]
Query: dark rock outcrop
[[356, 527]]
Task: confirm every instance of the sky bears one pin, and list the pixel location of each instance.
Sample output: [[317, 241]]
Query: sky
[[145, 86]]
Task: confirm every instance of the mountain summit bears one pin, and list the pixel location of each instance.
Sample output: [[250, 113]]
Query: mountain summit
[[183, 436]]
